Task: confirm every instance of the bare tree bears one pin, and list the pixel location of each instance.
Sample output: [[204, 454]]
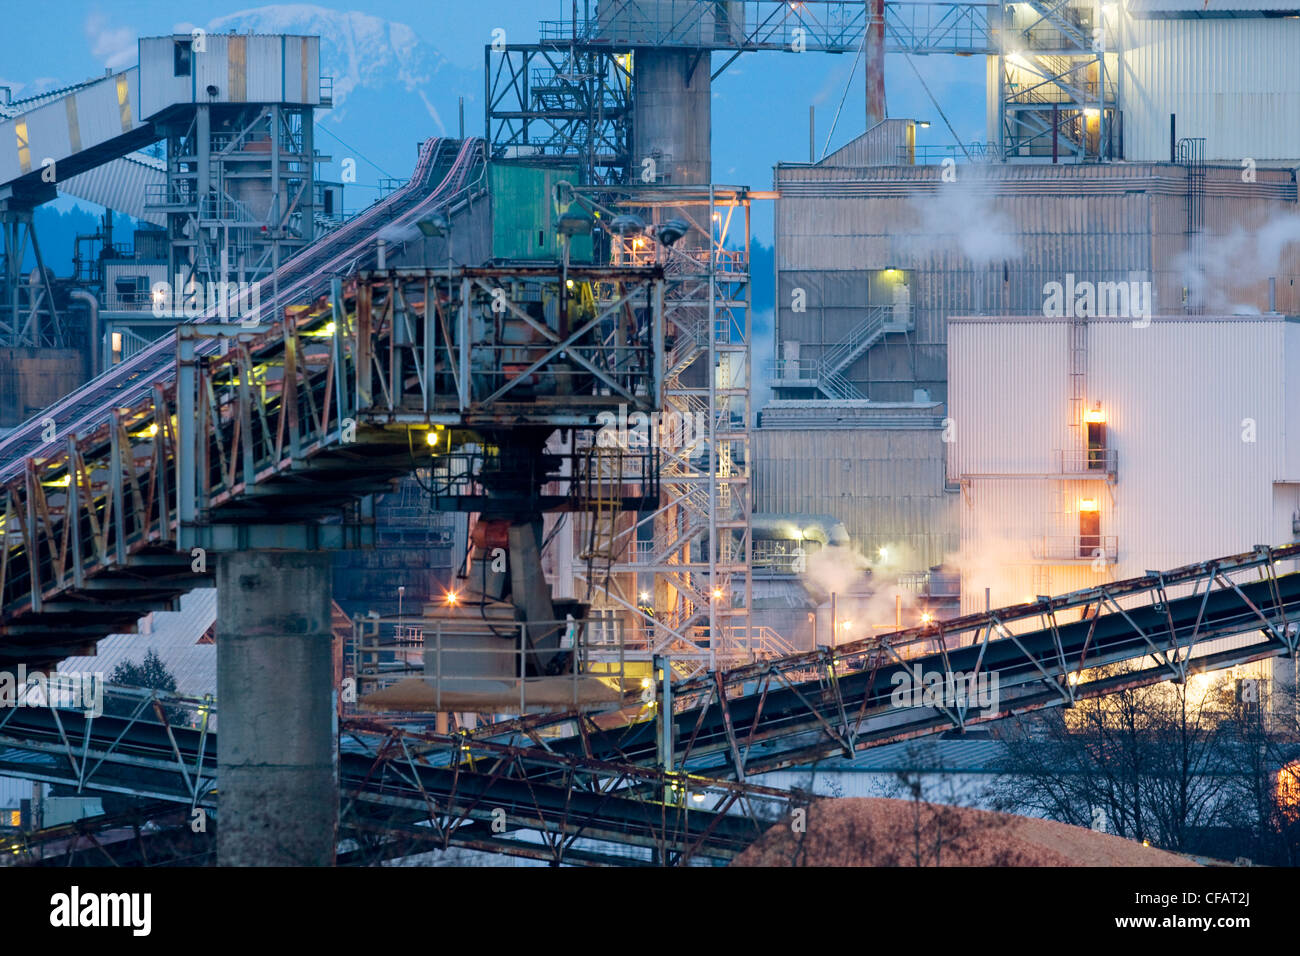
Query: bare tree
[[1147, 763]]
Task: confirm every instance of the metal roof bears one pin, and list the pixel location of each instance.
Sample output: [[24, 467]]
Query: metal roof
[[175, 636], [121, 184], [1209, 9], [973, 754], [14, 107]]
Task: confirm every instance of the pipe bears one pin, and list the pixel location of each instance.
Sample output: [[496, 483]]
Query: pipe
[[874, 63], [92, 327], [824, 529], [381, 258]]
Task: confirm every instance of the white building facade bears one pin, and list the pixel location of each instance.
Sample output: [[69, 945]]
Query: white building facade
[[1095, 450]]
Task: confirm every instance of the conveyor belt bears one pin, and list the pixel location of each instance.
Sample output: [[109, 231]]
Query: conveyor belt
[[444, 168], [607, 785]]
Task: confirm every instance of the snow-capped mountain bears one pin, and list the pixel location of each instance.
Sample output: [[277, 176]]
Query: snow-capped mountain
[[392, 88]]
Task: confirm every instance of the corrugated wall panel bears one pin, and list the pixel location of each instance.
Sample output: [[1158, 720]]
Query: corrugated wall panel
[[120, 185], [1195, 411], [1228, 80], [1118, 222], [886, 485]]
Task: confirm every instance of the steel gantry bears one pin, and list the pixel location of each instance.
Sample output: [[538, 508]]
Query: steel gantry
[[276, 435], [569, 97], [421, 791], [576, 787], [1058, 81], [792, 710], [680, 571]]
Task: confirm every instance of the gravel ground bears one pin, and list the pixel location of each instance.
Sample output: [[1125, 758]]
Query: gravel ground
[[854, 831]]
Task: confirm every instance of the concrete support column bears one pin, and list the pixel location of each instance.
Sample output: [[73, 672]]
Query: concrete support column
[[276, 752]]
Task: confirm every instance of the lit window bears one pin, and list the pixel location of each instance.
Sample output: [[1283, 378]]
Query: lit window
[[1095, 421], [1089, 527]]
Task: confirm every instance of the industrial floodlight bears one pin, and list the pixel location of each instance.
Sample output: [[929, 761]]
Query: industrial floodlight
[[212, 90], [672, 230], [575, 221], [627, 225]]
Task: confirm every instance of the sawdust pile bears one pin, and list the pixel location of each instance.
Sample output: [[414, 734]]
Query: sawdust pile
[[854, 831]]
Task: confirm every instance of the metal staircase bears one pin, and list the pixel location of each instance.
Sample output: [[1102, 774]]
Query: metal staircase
[[828, 373]]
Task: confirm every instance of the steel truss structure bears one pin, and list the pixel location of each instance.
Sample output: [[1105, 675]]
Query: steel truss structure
[[400, 792], [448, 176], [265, 431], [568, 99], [562, 104], [566, 788], [681, 572], [1058, 70], [1047, 653], [28, 316], [239, 193], [828, 26]]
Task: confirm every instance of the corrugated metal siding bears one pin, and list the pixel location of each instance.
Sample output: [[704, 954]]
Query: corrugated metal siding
[[121, 185], [245, 68], [885, 485], [1176, 395], [885, 144], [12, 791], [1103, 223], [1228, 80], [174, 635], [99, 118], [1291, 393]]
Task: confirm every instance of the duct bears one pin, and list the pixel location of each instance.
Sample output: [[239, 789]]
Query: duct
[[92, 327], [824, 529]]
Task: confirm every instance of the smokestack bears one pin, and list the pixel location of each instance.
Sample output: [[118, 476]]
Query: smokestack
[[874, 62], [381, 255]]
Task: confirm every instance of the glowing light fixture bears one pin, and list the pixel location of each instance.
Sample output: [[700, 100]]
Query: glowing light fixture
[[1088, 504], [644, 597], [717, 593], [1095, 416], [451, 599], [927, 617]]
